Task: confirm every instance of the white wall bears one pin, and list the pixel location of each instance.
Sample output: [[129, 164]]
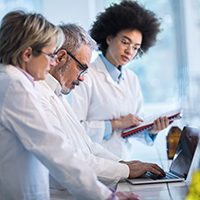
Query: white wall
[[82, 12]]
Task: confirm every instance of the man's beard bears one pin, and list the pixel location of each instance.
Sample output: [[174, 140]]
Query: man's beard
[[65, 90]]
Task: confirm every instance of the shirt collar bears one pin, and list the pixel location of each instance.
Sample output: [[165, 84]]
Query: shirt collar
[[53, 84], [114, 72], [30, 78]]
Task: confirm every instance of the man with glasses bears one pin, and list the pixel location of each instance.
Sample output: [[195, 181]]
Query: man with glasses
[[72, 61]]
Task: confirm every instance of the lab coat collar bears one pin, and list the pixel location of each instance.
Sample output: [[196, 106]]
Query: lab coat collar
[[17, 70], [30, 78], [114, 72], [99, 62], [53, 84]]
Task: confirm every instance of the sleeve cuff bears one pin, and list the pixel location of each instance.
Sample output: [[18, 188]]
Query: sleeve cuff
[[112, 196], [124, 171], [108, 130], [150, 138]]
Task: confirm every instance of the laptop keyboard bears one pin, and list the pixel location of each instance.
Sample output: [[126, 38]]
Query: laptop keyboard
[[156, 176]]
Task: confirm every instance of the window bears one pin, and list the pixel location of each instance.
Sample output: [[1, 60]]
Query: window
[[157, 70]]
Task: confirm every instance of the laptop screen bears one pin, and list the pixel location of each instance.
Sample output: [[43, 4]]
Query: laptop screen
[[185, 151]]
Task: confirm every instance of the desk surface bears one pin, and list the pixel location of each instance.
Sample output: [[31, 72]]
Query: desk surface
[[161, 191]]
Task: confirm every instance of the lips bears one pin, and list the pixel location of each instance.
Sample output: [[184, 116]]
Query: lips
[[124, 58]]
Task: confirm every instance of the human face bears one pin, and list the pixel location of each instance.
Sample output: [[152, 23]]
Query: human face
[[39, 66], [117, 53], [71, 76], [83, 67]]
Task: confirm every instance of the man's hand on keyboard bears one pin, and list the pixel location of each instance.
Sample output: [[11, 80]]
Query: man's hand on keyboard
[[153, 176], [137, 168]]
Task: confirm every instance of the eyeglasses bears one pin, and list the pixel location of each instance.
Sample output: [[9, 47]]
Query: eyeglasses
[[127, 45], [51, 55], [84, 68]]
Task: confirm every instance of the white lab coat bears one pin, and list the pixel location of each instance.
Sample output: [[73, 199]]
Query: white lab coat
[[100, 98], [61, 116], [30, 148]]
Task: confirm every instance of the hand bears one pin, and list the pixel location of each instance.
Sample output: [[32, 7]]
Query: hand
[[137, 168], [159, 124], [127, 195], [125, 122]]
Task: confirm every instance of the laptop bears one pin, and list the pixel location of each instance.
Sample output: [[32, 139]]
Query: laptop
[[181, 163]]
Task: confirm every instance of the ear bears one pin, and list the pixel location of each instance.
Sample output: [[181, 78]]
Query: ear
[[61, 57], [26, 54], [109, 39]]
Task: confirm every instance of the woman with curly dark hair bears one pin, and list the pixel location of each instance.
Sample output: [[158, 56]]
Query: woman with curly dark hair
[[110, 99]]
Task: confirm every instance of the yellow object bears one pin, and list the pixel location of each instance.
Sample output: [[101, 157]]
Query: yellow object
[[194, 190]]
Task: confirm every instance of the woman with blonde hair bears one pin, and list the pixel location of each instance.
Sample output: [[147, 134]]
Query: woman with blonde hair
[[30, 149]]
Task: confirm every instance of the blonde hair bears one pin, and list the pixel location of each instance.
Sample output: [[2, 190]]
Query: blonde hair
[[19, 31]]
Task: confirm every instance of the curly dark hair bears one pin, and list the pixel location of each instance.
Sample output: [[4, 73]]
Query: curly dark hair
[[126, 15]]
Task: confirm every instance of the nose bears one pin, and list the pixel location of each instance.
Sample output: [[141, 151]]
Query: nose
[[81, 78], [130, 50], [52, 62]]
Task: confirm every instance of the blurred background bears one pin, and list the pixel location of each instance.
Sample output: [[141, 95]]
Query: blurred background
[[169, 73]]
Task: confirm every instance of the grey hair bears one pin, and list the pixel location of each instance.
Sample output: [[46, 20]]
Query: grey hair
[[75, 37]]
